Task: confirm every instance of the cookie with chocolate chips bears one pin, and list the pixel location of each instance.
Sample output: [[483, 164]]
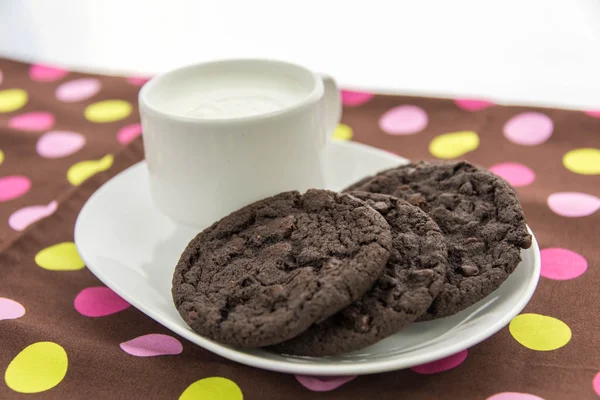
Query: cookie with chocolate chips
[[480, 216], [270, 270], [413, 277]]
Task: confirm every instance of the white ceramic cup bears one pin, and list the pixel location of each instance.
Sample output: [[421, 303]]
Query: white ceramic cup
[[223, 134]]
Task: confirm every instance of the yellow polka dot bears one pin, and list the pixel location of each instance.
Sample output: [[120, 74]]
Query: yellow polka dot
[[583, 161], [1, 157], [12, 99], [38, 367], [214, 388], [454, 144], [83, 170], [343, 132], [60, 257], [108, 111], [540, 332]]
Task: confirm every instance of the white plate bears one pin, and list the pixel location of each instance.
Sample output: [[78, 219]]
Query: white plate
[[133, 249]]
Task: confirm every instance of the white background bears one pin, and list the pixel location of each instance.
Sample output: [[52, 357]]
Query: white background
[[517, 51]]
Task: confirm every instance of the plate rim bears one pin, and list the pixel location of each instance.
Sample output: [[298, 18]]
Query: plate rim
[[377, 366]]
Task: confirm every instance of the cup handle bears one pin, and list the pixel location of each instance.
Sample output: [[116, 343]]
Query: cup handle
[[333, 105]]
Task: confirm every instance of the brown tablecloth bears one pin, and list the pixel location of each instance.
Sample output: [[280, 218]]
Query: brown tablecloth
[[65, 336]]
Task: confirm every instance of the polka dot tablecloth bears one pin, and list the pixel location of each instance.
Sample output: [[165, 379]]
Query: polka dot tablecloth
[[67, 336]]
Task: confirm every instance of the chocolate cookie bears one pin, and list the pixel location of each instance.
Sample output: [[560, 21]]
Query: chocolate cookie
[[413, 277], [481, 219], [270, 270]]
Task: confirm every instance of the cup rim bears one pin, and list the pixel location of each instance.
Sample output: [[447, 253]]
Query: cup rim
[[316, 92]]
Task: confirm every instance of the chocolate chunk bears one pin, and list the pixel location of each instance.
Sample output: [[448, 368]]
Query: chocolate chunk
[[469, 270]]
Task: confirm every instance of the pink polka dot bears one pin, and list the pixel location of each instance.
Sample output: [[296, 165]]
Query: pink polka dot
[[128, 133], [473, 104], [596, 383], [137, 80], [354, 99], [593, 113], [514, 173], [98, 302], [32, 121], [573, 204], [562, 264], [22, 218], [151, 345], [57, 144], [514, 396], [10, 309], [403, 120], [46, 73], [77, 90], [323, 383], [529, 128], [442, 365], [13, 186]]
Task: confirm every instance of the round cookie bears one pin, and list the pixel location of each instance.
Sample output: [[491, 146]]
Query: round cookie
[[268, 271], [413, 277], [480, 216]]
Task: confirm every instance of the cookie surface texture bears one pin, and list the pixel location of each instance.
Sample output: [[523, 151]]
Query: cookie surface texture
[[268, 271], [480, 216], [413, 277]]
